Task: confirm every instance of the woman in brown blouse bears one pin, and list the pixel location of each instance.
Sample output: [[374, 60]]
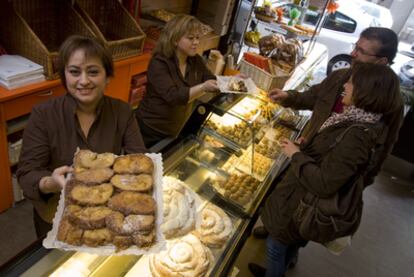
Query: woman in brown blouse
[[176, 77], [83, 118]]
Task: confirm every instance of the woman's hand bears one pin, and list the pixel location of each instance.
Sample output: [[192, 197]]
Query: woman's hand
[[210, 86], [289, 147], [56, 182]]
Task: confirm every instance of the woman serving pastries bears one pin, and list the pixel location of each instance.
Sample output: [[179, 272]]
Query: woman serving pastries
[[176, 77], [83, 118]]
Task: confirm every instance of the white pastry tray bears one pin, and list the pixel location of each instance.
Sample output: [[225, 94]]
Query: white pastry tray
[[51, 239]]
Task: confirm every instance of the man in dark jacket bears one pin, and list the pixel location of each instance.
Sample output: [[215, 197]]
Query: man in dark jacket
[[375, 45]]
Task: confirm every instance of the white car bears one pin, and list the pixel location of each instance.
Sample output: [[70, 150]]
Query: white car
[[381, 14], [339, 32]]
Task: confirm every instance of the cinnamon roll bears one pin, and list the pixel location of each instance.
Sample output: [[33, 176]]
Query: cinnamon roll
[[215, 226], [186, 257], [178, 210]]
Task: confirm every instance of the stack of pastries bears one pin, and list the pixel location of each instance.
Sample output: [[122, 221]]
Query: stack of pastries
[[109, 201]]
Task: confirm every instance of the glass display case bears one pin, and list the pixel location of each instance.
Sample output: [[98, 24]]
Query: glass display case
[[229, 164]]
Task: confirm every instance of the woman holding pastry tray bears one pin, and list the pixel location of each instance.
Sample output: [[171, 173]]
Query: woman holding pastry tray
[[177, 76], [82, 118]]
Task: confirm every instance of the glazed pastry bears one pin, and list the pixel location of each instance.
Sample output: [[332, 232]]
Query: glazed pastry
[[128, 202], [140, 183], [121, 225], [215, 226], [122, 242], [133, 164], [143, 239], [85, 159], [69, 233], [186, 257], [88, 195], [97, 237], [89, 217], [94, 175], [179, 210]]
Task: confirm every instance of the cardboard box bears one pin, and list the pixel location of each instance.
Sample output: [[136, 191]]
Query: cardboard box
[[216, 13], [207, 42]]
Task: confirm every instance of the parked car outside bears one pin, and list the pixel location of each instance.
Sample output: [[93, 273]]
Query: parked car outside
[[381, 15], [407, 75], [339, 32]]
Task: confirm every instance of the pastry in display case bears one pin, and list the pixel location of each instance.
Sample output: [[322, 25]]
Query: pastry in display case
[[214, 226], [179, 208], [185, 256], [232, 128], [256, 109], [255, 164], [269, 148], [269, 145], [243, 123], [291, 119], [237, 188], [199, 233], [210, 155]]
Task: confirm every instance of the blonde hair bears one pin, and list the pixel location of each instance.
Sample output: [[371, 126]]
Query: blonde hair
[[173, 31]]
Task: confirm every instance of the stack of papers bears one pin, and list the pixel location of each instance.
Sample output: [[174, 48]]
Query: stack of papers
[[16, 71]]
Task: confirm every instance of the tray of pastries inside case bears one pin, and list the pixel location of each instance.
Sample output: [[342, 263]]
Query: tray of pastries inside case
[[233, 129], [211, 154], [110, 205], [256, 109], [269, 145], [257, 166], [291, 118], [237, 189]]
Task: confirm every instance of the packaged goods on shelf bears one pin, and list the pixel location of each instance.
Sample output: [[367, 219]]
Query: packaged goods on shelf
[[14, 151], [17, 71]]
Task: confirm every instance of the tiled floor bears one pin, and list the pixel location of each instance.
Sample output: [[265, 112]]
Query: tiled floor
[[383, 246]]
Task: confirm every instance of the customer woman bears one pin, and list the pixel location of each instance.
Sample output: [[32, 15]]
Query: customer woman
[[82, 118], [177, 76], [370, 93]]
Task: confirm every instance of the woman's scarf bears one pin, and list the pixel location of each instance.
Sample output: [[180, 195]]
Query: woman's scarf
[[351, 113]]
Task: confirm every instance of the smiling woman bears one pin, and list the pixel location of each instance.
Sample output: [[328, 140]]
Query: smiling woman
[[176, 77], [79, 119]]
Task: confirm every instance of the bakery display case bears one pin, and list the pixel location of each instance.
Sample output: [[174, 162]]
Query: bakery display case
[[218, 178]]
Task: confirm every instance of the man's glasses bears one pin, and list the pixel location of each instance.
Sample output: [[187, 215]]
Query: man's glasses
[[361, 51]]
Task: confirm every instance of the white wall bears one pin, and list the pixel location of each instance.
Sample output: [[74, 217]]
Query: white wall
[[401, 9]]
